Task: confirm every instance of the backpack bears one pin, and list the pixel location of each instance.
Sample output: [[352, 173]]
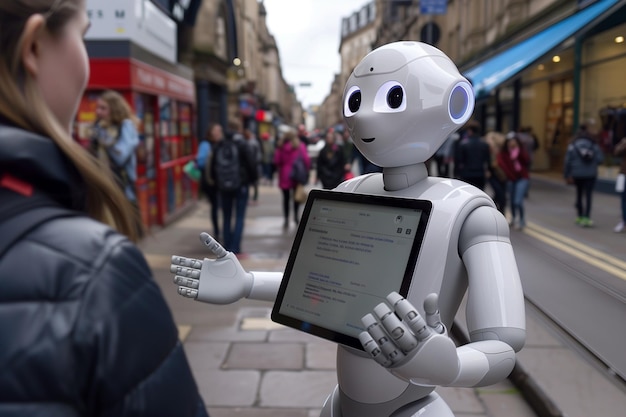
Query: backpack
[[227, 166], [586, 153], [299, 172]]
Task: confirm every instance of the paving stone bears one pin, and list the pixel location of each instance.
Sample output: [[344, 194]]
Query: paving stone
[[265, 356], [259, 412], [321, 355], [296, 389], [228, 388], [225, 334], [461, 400], [206, 355]]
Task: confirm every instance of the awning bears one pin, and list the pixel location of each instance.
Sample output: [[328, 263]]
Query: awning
[[492, 72]]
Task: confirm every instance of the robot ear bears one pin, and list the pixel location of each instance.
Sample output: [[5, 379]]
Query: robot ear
[[461, 103]]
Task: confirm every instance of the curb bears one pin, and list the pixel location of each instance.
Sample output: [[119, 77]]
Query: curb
[[536, 398]]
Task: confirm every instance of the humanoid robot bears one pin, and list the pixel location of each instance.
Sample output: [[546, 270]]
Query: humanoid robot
[[400, 104]]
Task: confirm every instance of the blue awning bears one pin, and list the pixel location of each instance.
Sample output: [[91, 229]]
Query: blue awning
[[492, 72]]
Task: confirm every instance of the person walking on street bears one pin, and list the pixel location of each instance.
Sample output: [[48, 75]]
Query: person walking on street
[[473, 157], [580, 168], [215, 133], [331, 163], [257, 153], [233, 170], [267, 164], [513, 160], [85, 328], [288, 150], [620, 151], [497, 177], [115, 139]]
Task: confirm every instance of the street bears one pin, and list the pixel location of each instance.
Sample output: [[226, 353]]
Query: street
[[246, 365]]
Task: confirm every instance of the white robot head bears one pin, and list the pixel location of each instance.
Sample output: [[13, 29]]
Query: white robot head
[[403, 100]]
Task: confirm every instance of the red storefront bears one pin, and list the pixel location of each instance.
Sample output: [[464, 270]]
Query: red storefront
[[165, 104]]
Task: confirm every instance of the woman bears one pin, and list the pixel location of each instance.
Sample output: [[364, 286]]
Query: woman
[[289, 149], [513, 160], [85, 328], [497, 178], [331, 163], [115, 139], [208, 188]]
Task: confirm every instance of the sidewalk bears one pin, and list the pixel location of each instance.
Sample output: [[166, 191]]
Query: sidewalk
[[248, 366]]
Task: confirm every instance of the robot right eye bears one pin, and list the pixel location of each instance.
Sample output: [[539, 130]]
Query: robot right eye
[[353, 101]]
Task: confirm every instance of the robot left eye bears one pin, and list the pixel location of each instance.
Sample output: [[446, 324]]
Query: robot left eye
[[390, 98], [395, 97]]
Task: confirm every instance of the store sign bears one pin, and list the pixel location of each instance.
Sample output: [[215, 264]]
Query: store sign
[[138, 21], [433, 6], [152, 80]]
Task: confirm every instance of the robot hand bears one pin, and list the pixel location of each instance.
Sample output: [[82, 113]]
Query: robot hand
[[416, 350], [217, 281]]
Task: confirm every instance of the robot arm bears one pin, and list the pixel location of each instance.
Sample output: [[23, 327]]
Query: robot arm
[[221, 280], [420, 351]]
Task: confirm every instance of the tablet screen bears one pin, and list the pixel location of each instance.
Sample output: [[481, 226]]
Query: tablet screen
[[350, 251]]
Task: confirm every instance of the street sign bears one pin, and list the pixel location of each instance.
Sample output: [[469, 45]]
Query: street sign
[[433, 6]]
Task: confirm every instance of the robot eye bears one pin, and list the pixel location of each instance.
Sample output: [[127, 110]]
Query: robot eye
[[390, 98], [395, 96], [353, 101]]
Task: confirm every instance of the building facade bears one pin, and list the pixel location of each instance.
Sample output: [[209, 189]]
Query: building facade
[[549, 65]]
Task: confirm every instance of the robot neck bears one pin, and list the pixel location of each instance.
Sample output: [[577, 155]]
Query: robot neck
[[398, 178]]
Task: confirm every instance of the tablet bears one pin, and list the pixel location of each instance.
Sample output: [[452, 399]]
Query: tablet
[[350, 251]]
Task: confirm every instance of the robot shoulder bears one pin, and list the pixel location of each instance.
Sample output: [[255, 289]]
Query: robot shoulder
[[483, 224]]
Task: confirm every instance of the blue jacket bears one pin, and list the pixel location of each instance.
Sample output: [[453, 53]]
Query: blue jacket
[[84, 328]]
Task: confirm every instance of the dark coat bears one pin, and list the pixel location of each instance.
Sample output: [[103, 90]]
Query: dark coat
[[84, 328], [331, 164]]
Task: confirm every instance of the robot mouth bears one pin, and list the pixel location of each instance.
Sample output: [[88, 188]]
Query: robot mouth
[[368, 140]]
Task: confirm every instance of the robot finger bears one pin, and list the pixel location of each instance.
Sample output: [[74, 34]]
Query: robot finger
[[213, 245], [187, 282], [378, 334], [187, 292], [405, 310], [433, 318], [188, 262], [370, 346], [185, 272], [396, 329]]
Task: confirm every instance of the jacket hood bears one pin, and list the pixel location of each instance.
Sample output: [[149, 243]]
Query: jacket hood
[[37, 160]]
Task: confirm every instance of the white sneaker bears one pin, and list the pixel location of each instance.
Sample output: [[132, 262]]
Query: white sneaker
[[619, 227]]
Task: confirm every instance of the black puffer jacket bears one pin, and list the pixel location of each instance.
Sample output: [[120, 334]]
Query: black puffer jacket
[[84, 328]]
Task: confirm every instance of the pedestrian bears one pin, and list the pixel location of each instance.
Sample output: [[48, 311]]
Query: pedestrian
[[288, 150], [497, 177], [85, 328], [620, 151], [267, 163], [513, 160], [331, 162], [582, 158], [214, 134], [473, 159], [257, 153], [444, 156], [114, 140], [234, 170]]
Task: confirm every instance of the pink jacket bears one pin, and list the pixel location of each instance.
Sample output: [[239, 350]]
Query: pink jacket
[[283, 159]]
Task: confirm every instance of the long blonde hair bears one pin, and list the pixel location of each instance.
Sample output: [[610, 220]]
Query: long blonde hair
[[22, 103], [119, 109]]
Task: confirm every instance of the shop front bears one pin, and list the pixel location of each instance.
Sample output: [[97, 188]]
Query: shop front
[[132, 45], [557, 79], [165, 105]]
